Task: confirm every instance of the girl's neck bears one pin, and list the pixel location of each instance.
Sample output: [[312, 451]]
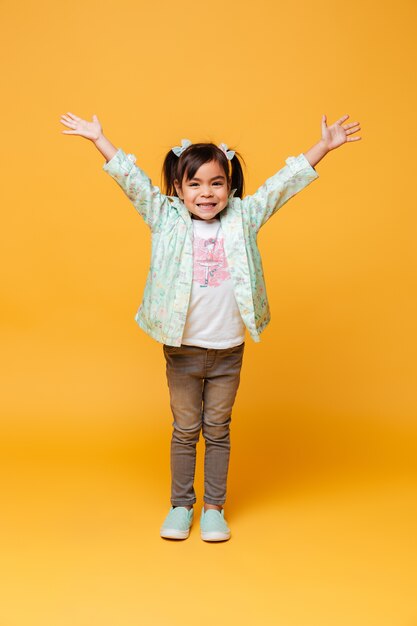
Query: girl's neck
[[200, 219]]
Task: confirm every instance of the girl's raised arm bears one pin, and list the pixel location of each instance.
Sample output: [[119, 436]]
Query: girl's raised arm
[[297, 174], [147, 199], [90, 130]]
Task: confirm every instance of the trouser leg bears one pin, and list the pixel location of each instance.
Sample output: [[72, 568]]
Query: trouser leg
[[222, 377], [185, 370]]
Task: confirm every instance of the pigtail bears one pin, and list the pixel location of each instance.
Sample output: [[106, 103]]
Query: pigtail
[[237, 178], [169, 170]]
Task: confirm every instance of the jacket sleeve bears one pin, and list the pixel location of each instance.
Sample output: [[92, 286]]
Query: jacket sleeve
[[277, 190], [146, 198]]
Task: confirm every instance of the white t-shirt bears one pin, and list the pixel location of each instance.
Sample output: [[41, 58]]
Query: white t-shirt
[[213, 318]]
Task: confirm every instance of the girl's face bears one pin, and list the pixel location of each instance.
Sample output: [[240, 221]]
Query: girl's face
[[207, 193]]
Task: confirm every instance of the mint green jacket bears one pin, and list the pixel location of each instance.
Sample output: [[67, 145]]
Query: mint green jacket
[[163, 311]]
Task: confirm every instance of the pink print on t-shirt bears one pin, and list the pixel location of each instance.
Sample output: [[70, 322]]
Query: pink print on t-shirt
[[210, 263]]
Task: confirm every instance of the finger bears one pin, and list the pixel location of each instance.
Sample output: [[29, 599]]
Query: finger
[[73, 116], [351, 125], [342, 119], [352, 130], [69, 124], [353, 138], [323, 123], [69, 132]]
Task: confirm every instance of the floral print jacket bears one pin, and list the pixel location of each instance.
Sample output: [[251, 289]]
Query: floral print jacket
[[163, 311]]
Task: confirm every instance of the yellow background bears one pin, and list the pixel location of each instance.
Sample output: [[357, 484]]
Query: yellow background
[[322, 482]]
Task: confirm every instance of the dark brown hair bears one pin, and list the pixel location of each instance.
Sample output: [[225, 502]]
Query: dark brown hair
[[193, 157]]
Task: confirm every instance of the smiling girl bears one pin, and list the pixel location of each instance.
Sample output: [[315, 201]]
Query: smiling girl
[[204, 290]]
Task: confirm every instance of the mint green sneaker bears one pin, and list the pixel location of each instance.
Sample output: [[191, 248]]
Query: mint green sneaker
[[177, 523], [213, 526]]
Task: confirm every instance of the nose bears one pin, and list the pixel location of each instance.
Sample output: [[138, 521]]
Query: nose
[[206, 192]]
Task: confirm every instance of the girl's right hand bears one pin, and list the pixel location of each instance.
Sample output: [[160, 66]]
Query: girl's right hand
[[89, 130]]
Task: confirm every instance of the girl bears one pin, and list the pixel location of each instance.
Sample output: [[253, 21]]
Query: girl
[[204, 288]]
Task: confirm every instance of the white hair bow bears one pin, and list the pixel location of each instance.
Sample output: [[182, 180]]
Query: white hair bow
[[178, 150], [229, 153]]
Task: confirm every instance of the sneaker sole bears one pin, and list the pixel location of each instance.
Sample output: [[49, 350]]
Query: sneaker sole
[[215, 536], [172, 533]]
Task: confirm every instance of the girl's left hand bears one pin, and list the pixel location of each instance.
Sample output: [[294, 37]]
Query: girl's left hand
[[338, 133]]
